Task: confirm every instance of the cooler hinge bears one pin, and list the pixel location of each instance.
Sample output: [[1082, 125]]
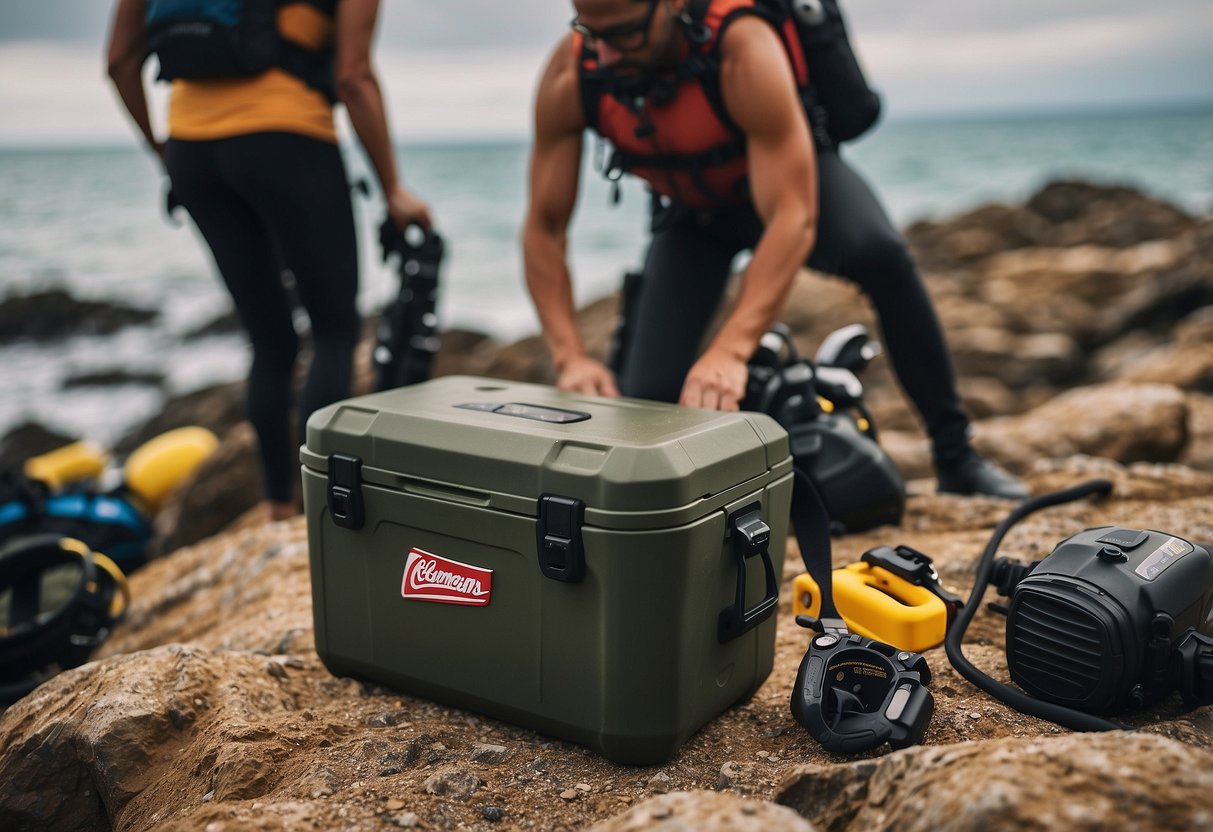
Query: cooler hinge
[[558, 538], [345, 491]]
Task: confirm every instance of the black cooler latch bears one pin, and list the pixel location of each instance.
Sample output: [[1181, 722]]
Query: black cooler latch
[[345, 491], [558, 538]]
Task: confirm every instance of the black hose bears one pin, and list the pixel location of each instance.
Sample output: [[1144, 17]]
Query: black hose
[[1020, 701]]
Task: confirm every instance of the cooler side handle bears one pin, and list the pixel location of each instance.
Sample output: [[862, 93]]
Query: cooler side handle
[[751, 536]]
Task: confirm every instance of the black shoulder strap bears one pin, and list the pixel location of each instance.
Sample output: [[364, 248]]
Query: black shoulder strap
[[710, 81], [812, 525], [591, 85], [316, 69], [697, 11]]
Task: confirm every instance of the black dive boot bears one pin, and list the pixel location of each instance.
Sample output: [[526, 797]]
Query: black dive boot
[[971, 473]]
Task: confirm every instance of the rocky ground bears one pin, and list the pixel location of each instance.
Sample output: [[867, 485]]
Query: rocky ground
[[1082, 327]]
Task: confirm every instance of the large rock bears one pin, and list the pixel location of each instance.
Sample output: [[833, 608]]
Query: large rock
[[975, 235], [704, 811], [26, 440], [1199, 453], [218, 408], [1184, 359], [1082, 781], [56, 314], [1017, 360], [1095, 294], [91, 743], [1082, 212], [1123, 422], [1061, 214]]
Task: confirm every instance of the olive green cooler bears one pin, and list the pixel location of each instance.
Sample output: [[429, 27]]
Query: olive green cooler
[[563, 562]]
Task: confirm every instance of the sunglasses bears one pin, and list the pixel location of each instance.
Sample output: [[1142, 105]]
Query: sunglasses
[[622, 38]]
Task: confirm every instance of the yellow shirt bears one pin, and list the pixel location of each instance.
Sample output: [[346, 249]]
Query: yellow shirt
[[272, 101]]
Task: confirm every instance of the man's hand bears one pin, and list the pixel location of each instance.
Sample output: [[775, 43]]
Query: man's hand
[[406, 208], [760, 95], [716, 382], [585, 375]]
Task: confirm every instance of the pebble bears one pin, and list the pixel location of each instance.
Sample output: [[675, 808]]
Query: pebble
[[661, 814], [394, 805], [492, 814], [453, 783], [276, 670], [570, 794], [489, 754], [974, 715], [732, 773], [384, 719], [660, 782], [584, 787], [405, 820]]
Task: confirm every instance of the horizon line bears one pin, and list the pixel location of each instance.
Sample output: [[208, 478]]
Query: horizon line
[[1025, 113]]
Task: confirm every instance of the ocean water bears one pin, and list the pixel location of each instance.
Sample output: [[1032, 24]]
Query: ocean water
[[89, 221]]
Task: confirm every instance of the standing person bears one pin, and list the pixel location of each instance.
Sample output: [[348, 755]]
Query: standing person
[[700, 100], [254, 160]]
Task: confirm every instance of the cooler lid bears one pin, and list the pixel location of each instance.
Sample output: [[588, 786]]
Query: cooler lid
[[526, 440]]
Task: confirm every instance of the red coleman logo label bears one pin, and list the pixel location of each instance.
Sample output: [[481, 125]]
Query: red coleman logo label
[[428, 577]]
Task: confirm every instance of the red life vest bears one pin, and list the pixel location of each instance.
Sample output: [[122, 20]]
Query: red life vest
[[681, 140]]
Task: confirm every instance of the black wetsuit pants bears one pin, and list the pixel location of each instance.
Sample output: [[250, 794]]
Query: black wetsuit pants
[[688, 265], [266, 202]]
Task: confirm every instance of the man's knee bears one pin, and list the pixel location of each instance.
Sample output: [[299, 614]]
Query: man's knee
[[880, 261]]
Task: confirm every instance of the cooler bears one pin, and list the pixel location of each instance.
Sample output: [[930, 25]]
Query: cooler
[[604, 571]]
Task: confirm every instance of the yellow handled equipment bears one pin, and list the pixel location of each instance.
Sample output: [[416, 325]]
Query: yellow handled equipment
[[158, 466], [891, 595], [64, 466]]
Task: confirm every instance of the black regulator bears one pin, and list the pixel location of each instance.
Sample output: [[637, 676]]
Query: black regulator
[[1111, 620]]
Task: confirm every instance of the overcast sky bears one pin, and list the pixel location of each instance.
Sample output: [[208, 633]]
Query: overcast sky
[[466, 68]]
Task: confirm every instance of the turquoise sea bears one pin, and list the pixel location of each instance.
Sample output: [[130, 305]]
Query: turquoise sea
[[89, 220]]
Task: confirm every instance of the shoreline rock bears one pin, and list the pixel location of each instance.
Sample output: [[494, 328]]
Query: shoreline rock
[[54, 314]]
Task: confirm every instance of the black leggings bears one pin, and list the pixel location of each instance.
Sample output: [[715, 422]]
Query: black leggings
[[688, 266], [266, 202]]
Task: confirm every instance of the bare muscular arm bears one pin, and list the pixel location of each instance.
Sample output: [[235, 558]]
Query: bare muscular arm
[[555, 168], [760, 95]]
